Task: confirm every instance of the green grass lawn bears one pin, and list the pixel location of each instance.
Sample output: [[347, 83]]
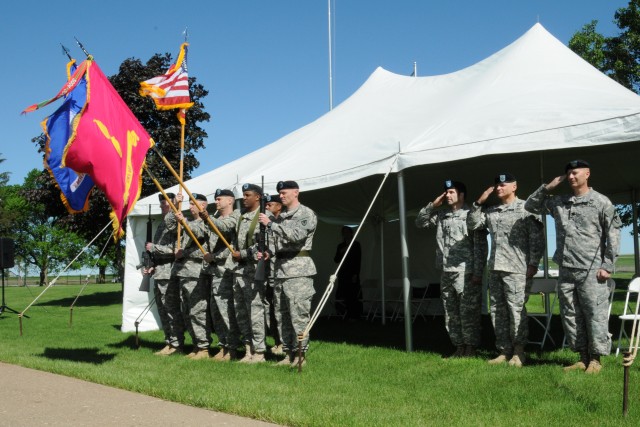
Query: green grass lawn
[[357, 375]]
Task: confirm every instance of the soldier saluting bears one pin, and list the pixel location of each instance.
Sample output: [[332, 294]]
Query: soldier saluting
[[587, 244]]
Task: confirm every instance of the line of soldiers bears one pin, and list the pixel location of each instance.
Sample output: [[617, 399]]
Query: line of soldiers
[[587, 240], [218, 288]]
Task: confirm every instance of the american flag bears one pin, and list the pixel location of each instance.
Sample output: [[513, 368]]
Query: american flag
[[170, 90]]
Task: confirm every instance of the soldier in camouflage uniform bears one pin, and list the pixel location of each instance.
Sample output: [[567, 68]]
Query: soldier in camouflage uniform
[[460, 256], [274, 206], [293, 231], [162, 250], [194, 282], [517, 245], [221, 268], [248, 293], [587, 244]]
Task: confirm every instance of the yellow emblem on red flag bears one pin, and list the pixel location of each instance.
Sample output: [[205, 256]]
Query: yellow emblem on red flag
[[109, 144]]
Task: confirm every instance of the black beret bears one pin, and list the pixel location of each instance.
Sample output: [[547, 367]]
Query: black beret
[[448, 184], [273, 198], [575, 164], [287, 185], [505, 177], [224, 192], [199, 196], [252, 187], [169, 195]]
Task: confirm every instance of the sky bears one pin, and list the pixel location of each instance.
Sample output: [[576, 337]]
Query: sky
[[264, 63]]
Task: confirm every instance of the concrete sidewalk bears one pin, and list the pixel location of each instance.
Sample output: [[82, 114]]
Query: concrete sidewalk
[[35, 398]]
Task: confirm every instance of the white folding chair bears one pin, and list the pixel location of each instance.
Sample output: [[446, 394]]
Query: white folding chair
[[394, 298], [371, 300], [419, 288], [546, 288], [630, 311]]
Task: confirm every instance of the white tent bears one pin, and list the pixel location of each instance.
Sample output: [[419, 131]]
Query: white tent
[[527, 109]]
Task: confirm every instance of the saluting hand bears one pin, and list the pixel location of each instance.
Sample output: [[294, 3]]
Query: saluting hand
[[555, 182], [438, 201], [484, 196]]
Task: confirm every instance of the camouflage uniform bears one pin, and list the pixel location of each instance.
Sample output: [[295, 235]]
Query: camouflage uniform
[[587, 239], [163, 256], [517, 241], [195, 284], [248, 293], [293, 288], [460, 255], [223, 312]]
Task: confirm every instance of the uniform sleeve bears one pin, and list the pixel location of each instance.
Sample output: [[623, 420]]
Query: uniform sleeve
[[480, 251], [611, 227], [536, 240], [537, 202], [170, 221], [228, 223], [476, 219], [295, 230], [427, 217]]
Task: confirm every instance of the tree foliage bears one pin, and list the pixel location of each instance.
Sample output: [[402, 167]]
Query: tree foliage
[[40, 239], [616, 56]]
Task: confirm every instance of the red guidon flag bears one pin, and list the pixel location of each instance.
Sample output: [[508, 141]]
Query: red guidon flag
[[109, 144], [171, 90]]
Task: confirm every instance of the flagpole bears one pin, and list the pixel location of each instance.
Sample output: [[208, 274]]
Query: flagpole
[[193, 199], [182, 126], [175, 210]]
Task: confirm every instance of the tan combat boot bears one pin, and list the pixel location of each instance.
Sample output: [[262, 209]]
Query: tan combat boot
[[288, 357], [168, 351], [277, 350], [580, 364], [202, 353], [502, 358], [296, 360], [220, 356], [594, 365], [257, 358], [518, 359], [247, 354]]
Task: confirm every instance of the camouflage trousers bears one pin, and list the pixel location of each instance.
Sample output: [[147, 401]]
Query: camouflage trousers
[[223, 313], [462, 302], [195, 308], [584, 308], [247, 297], [508, 296], [174, 312], [271, 324], [292, 302], [168, 303]]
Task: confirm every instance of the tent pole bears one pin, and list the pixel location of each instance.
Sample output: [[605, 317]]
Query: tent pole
[[404, 253], [543, 218], [382, 296], [634, 215]]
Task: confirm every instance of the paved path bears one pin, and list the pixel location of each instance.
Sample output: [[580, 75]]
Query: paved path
[[35, 398]]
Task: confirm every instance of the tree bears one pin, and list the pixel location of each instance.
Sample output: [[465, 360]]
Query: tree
[[618, 57], [162, 126], [5, 215], [39, 238]]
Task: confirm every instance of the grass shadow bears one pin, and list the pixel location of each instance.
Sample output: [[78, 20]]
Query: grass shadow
[[85, 355], [97, 299]]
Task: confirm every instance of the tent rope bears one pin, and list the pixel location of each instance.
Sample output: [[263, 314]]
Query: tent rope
[[53, 282], [104, 248], [333, 277]]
